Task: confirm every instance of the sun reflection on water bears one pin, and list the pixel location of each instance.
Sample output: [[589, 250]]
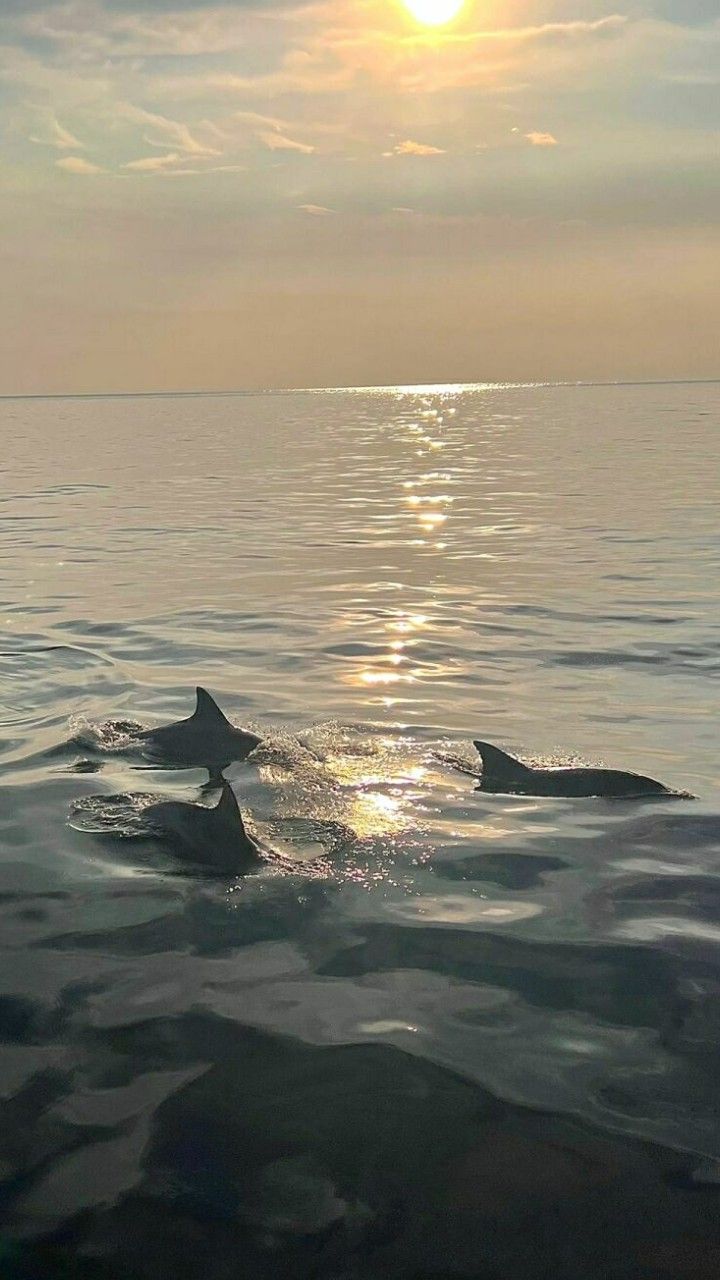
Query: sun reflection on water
[[381, 790], [372, 813], [417, 516]]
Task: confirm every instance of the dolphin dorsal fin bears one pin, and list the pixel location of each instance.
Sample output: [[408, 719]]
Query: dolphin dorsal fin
[[227, 806], [228, 810], [206, 707], [497, 764]]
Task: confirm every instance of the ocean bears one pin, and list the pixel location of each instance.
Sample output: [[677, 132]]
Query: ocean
[[447, 1033]]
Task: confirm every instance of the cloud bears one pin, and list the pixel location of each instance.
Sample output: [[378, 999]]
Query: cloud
[[277, 141], [542, 139], [213, 168], [76, 164], [176, 133], [343, 45], [259, 121], [410, 148], [153, 164], [92, 30], [149, 9], [316, 210], [57, 136]]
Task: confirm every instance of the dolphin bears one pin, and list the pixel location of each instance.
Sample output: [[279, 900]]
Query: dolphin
[[205, 740], [503, 773], [212, 838]]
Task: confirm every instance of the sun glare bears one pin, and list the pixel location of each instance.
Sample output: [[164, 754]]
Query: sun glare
[[433, 13]]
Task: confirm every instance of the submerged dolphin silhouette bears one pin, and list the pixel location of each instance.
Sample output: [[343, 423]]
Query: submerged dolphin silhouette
[[205, 740], [503, 773], [213, 838]]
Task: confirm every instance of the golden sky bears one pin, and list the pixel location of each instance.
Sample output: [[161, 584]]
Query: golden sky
[[264, 194]]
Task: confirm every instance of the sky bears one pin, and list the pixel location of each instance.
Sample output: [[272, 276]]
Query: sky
[[273, 194]]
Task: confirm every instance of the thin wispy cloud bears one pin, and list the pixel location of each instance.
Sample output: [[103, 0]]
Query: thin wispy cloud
[[541, 139], [256, 120], [153, 164], [277, 141], [410, 148], [94, 30], [200, 173], [175, 132], [54, 134], [315, 210], [78, 165]]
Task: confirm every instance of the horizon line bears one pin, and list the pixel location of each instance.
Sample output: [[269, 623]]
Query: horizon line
[[409, 387]]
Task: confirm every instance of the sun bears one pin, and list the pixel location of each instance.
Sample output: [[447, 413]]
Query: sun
[[433, 13]]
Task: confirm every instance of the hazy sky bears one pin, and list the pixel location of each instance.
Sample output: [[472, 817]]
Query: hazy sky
[[198, 195]]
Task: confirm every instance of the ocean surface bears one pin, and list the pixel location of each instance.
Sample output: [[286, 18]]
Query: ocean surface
[[447, 1033]]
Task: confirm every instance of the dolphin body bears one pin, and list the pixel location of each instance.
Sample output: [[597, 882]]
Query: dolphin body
[[504, 774], [212, 838], [205, 740]]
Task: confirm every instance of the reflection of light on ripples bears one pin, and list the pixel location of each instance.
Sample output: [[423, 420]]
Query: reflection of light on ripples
[[374, 813], [454, 909], [653, 867], [425, 507], [657, 928], [425, 499], [371, 811], [396, 667], [408, 622], [386, 1026], [383, 677], [431, 519]]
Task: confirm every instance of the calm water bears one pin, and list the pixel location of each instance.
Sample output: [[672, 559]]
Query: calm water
[[482, 1039]]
